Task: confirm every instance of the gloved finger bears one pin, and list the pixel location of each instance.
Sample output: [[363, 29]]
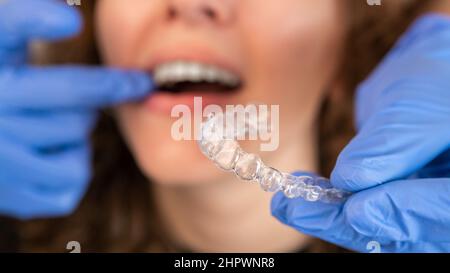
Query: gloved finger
[[22, 20], [336, 223], [34, 205], [48, 188], [47, 130], [425, 44], [70, 87], [395, 142], [402, 117], [53, 170], [403, 211], [323, 220], [329, 222], [439, 167]]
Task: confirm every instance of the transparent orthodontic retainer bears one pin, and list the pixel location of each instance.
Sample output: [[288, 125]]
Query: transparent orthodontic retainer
[[225, 152]]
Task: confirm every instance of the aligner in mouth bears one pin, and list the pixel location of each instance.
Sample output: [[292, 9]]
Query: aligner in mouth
[[226, 153]]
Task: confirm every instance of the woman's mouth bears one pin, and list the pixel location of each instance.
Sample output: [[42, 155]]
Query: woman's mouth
[[179, 81], [179, 76]]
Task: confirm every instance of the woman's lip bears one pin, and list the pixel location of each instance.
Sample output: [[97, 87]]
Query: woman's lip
[[164, 102]]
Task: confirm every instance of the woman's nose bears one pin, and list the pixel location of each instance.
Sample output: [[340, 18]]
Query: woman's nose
[[201, 11]]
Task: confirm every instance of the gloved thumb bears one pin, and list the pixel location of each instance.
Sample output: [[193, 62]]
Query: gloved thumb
[[388, 213]]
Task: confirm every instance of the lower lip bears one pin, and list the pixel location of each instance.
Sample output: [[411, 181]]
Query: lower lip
[[164, 102]]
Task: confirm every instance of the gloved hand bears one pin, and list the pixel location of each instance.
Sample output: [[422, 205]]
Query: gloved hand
[[47, 113], [398, 165]]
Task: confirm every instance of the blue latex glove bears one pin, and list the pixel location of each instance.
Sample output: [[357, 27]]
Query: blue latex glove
[[46, 114], [398, 164]]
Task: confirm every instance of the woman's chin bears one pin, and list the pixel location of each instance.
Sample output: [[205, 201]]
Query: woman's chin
[[173, 176], [180, 163]]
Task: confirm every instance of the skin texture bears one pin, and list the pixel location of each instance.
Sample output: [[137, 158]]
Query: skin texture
[[286, 54], [440, 7]]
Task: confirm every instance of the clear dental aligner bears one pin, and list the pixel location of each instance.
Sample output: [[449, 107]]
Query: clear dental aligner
[[226, 153]]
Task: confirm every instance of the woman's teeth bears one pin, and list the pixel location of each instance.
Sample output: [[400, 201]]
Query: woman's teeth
[[178, 72]]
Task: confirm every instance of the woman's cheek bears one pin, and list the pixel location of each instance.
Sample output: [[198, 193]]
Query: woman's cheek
[[294, 64], [117, 28]]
